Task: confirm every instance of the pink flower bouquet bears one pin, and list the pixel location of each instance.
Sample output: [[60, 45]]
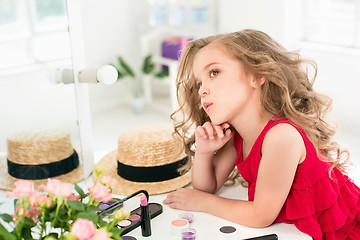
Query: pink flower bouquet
[[55, 212]]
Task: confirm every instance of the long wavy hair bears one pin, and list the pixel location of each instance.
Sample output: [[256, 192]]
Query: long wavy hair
[[287, 92]]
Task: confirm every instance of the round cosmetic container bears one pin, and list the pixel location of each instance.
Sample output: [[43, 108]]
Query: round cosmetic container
[[188, 216], [188, 234], [177, 225], [128, 238], [227, 233]]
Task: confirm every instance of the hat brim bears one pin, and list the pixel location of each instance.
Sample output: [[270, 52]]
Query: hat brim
[[7, 181], [125, 187]]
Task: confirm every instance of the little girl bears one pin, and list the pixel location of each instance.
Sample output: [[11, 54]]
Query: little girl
[[253, 107]]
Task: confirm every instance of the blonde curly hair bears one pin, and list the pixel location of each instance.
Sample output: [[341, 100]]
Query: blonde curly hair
[[287, 92]]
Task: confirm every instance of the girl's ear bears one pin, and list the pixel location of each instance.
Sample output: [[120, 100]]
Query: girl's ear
[[258, 81]]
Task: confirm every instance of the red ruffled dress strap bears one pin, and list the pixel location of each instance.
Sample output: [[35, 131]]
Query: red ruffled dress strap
[[321, 204]]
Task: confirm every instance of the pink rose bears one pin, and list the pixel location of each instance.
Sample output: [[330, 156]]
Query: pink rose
[[43, 201], [122, 214], [102, 234], [23, 188], [83, 229], [108, 180], [58, 188], [100, 192], [32, 212], [72, 196], [20, 210]]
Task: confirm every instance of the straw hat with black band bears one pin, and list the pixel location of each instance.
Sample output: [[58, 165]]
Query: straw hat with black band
[[38, 155], [148, 158]]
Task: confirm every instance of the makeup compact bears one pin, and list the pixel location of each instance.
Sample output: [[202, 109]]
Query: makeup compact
[[135, 217], [177, 225], [112, 205], [134, 220], [114, 202], [128, 238], [227, 233]]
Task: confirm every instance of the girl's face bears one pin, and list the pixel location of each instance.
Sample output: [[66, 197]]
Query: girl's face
[[226, 90]]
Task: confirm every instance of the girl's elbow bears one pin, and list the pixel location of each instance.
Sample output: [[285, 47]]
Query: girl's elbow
[[262, 222], [263, 219], [207, 189]]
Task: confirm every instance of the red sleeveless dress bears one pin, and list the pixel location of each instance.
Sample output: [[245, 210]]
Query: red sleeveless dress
[[320, 206]]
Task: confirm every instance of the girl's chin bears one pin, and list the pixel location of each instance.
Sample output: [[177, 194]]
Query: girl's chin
[[217, 121]]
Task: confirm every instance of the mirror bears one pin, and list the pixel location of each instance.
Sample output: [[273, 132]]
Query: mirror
[[34, 41]]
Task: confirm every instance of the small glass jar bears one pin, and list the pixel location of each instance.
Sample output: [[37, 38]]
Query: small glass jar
[[188, 216], [188, 234]]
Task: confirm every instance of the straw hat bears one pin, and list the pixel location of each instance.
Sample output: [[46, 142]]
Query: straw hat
[[39, 155], [147, 158]]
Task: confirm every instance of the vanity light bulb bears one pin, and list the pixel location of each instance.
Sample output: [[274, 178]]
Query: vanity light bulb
[[107, 74]]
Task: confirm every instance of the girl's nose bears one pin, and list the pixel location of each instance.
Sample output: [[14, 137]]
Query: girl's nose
[[203, 91]]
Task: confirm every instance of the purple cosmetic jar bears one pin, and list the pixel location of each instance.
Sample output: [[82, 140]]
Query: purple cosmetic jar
[[188, 234]]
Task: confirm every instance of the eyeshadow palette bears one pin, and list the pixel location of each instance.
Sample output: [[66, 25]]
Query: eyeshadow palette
[[134, 219], [111, 205]]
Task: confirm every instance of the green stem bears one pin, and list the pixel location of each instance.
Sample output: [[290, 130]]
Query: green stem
[[21, 219], [43, 223], [59, 203]]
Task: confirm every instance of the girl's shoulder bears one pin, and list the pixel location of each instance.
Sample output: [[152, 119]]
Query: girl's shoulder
[[284, 136], [283, 130]]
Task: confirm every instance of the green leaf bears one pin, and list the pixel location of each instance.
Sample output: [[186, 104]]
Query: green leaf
[[6, 217], [26, 233], [4, 234], [115, 231], [76, 205], [148, 65], [89, 216], [116, 237], [53, 234], [29, 222], [92, 209], [127, 69], [102, 223], [79, 191], [162, 74]]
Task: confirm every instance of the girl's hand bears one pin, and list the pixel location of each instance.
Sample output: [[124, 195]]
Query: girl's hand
[[210, 137], [186, 199]]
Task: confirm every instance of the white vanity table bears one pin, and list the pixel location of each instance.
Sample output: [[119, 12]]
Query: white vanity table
[[206, 225]]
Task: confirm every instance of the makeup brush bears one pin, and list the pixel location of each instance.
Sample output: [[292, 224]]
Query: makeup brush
[[120, 203]]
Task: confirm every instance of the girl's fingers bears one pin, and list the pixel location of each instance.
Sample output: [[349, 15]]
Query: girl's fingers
[[200, 132], [209, 128], [219, 131], [225, 126]]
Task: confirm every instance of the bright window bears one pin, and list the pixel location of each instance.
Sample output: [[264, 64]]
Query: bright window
[[33, 32], [334, 22]]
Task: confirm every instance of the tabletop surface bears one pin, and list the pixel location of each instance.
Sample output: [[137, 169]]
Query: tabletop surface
[[207, 226]]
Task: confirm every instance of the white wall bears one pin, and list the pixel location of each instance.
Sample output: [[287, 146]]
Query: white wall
[[112, 27], [338, 71], [108, 31]]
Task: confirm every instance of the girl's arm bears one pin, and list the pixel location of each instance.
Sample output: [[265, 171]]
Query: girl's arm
[[209, 173], [210, 170], [282, 150]]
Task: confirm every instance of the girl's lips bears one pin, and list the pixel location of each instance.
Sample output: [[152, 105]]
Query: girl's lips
[[207, 106]]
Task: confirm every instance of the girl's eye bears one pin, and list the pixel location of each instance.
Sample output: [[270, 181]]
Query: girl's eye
[[213, 73]]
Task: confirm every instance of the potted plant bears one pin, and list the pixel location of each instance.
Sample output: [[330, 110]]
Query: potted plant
[[136, 84]]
